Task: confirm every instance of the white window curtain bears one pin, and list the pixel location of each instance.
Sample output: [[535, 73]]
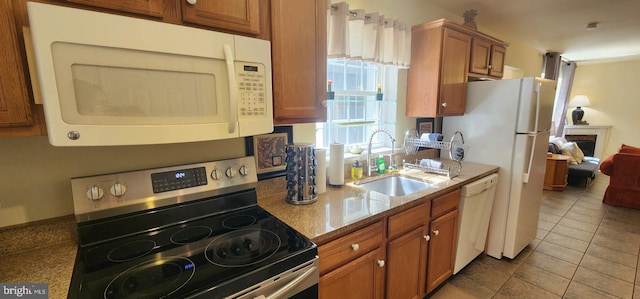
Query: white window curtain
[[356, 34]]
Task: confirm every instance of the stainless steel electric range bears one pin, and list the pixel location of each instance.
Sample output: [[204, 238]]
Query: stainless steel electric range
[[190, 231]]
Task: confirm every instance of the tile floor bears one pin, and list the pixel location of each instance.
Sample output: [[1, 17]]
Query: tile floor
[[584, 249]]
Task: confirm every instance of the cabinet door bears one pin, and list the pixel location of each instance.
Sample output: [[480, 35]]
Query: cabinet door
[[15, 109], [498, 54], [407, 264], [442, 249], [480, 54], [299, 56], [362, 278], [456, 49], [144, 7], [233, 15]]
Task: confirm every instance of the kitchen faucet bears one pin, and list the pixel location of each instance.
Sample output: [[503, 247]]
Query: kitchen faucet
[[391, 162]]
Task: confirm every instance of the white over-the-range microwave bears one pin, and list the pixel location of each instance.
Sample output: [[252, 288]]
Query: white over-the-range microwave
[[113, 80]]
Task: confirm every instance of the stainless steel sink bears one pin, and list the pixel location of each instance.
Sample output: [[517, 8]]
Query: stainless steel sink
[[395, 185]]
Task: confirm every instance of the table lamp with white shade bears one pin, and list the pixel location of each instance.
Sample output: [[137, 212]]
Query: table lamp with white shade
[[577, 114]]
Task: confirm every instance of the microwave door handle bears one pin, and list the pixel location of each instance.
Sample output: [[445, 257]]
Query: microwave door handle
[[233, 88]]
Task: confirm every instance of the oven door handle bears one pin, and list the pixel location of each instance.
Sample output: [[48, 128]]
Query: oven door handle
[[292, 284]]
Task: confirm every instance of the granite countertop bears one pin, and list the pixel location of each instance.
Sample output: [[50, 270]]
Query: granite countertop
[[45, 251], [340, 210], [40, 252]]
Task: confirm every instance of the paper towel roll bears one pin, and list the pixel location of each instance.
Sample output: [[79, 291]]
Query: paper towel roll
[[336, 164], [321, 181]]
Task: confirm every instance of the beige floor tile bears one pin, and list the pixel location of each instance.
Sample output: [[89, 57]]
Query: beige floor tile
[[626, 246], [543, 279], [541, 234], [550, 218], [585, 226], [450, 291], [560, 252], [577, 214], [471, 287], [552, 264], [573, 232], [546, 225], [603, 282], [622, 272], [578, 290], [566, 241], [612, 255], [516, 288]]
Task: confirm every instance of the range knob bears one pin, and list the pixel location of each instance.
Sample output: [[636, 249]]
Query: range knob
[[243, 170], [95, 193], [118, 189], [231, 172], [216, 174]]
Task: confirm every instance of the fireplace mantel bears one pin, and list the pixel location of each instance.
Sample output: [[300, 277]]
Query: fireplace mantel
[[602, 133]]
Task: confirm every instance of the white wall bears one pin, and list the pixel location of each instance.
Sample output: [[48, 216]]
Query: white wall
[[614, 93]]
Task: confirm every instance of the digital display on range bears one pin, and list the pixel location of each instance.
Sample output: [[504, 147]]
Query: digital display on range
[[250, 68], [178, 179]]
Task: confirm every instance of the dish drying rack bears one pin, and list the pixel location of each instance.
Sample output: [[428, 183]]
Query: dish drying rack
[[455, 146]]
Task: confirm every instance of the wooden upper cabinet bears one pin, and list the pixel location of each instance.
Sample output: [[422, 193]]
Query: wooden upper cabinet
[[444, 55], [498, 54], [299, 60], [154, 8], [233, 15], [487, 58], [453, 78], [15, 108], [437, 78]]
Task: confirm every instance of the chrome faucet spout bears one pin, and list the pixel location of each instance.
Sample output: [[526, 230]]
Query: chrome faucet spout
[[370, 165]]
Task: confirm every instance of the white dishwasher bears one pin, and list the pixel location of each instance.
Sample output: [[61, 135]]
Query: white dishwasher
[[476, 202]]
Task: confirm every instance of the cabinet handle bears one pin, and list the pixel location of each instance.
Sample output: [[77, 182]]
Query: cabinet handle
[[444, 104], [489, 67], [192, 2], [355, 246], [381, 263], [436, 232], [427, 237]]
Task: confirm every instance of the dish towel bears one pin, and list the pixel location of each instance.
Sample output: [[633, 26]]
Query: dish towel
[[431, 163]]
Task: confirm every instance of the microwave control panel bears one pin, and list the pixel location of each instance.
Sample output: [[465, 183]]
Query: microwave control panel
[[252, 90]]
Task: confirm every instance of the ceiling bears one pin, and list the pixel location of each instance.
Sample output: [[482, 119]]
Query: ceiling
[[560, 26]]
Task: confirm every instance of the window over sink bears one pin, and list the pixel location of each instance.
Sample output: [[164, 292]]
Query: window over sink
[[356, 109]]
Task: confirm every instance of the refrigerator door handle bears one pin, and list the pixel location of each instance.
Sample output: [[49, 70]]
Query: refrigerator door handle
[[525, 176]]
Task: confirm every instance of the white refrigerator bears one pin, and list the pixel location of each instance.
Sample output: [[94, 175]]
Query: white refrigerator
[[506, 123]]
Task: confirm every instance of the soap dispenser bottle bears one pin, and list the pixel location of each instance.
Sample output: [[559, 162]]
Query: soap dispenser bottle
[[356, 171], [380, 164]]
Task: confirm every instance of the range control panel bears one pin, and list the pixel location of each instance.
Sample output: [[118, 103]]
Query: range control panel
[[107, 195]]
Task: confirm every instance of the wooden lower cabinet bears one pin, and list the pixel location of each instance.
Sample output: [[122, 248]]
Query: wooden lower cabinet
[[442, 249], [415, 257], [362, 278], [406, 264]]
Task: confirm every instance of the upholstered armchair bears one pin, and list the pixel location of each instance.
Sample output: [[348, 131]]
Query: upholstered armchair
[[623, 168]]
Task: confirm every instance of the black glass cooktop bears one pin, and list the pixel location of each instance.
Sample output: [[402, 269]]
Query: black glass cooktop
[[214, 254]]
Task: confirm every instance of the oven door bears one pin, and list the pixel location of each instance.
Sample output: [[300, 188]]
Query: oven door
[[114, 80], [299, 282]]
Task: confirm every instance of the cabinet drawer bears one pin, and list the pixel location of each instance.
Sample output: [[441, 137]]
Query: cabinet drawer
[[445, 203], [349, 247], [407, 220]]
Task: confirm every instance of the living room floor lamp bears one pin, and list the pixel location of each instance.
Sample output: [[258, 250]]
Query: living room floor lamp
[[579, 101]]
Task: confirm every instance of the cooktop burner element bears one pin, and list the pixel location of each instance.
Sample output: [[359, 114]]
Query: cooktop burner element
[[190, 234], [204, 238], [130, 251], [242, 247], [238, 221], [151, 279]]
